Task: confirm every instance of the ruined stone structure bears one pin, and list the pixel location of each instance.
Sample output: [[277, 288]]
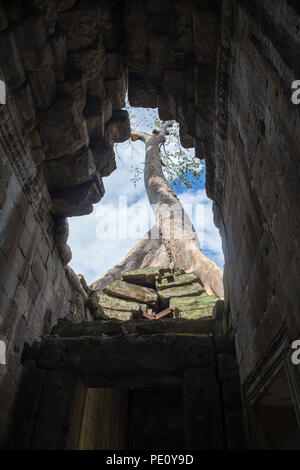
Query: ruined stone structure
[[223, 69]]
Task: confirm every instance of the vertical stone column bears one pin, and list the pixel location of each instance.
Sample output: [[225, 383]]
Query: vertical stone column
[[61, 407], [202, 411]]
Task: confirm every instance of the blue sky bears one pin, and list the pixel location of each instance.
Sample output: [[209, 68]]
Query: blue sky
[[102, 239]]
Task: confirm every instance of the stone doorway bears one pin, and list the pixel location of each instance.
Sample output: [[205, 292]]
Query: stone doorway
[[140, 418]]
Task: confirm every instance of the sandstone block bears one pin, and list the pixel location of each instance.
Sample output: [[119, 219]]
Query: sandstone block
[[116, 90], [88, 62], [182, 291], [104, 156], [43, 86], [228, 367], [109, 313], [26, 108], [112, 303], [144, 276], [78, 200], [62, 129], [125, 290], [31, 37], [84, 20], [173, 281], [59, 48], [3, 18], [71, 170], [9, 55], [118, 127]]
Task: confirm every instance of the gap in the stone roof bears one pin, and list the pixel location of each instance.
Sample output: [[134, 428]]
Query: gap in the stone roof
[[103, 238]]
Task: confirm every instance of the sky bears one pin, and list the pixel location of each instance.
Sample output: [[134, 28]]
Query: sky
[[103, 238]]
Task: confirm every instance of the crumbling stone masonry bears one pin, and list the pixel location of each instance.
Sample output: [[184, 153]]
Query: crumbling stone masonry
[[223, 69]]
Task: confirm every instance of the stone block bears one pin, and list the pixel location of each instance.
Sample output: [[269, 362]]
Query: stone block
[[125, 290], [174, 281], [194, 289], [59, 48], [116, 90], [3, 18], [144, 276], [117, 129], [31, 38], [43, 86], [85, 20], [88, 62], [202, 411], [231, 395], [78, 200], [139, 94], [104, 156], [235, 429], [120, 305], [113, 66], [76, 88], [9, 55], [228, 368], [173, 82], [62, 129], [71, 170], [171, 354]]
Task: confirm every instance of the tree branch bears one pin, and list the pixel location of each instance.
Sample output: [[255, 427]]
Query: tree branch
[[164, 131], [141, 135]]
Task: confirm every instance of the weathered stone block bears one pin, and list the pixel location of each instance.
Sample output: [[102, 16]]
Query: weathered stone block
[[139, 94], [43, 85], [184, 291], [31, 37], [59, 48], [62, 129], [228, 367], [88, 62], [170, 354], [231, 395], [84, 20], [125, 290], [235, 429], [173, 281], [118, 127], [104, 156], [202, 411], [112, 303], [173, 82], [71, 170], [78, 200], [74, 87], [9, 55], [116, 90], [3, 18], [26, 107], [144, 276]]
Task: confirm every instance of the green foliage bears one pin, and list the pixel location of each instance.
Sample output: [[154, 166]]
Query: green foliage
[[180, 167]]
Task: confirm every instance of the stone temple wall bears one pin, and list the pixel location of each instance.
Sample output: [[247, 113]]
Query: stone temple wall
[[223, 69], [61, 104], [258, 209]]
